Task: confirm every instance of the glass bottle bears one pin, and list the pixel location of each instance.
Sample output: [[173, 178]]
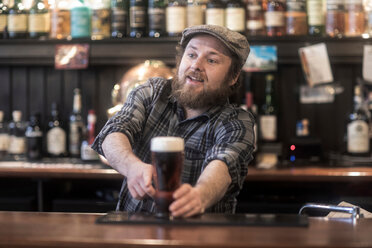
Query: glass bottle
[[195, 13], [354, 18], [17, 20], [76, 126], [87, 153], [235, 16], [368, 10], [119, 18], [39, 20], [335, 18], [275, 17], [255, 18], [101, 19], [4, 136], [137, 18], [80, 19], [215, 13], [56, 135], [34, 138], [176, 15], [17, 139], [296, 17], [156, 15], [357, 127], [268, 117], [60, 21], [3, 19], [316, 17]]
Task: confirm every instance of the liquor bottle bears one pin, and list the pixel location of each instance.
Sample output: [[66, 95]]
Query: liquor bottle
[[275, 17], [101, 19], [316, 17], [368, 9], [17, 20], [215, 13], [17, 139], [296, 17], [34, 138], [80, 19], [4, 136], [335, 18], [354, 18], [60, 20], [3, 19], [76, 126], [235, 16], [56, 135], [176, 17], [137, 18], [39, 20], [255, 18], [195, 13], [119, 18], [357, 127], [156, 16], [268, 116], [87, 153]]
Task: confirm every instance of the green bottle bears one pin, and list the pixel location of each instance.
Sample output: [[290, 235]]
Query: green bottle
[[39, 20], [3, 19], [119, 18], [17, 20], [156, 14], [80, 20]]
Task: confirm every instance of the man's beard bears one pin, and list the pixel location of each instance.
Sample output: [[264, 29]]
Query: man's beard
[[187, 97]]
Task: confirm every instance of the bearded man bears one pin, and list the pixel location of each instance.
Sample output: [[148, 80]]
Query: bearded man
[[218, 136]]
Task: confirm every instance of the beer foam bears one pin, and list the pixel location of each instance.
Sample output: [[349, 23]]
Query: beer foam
[[167, 144]]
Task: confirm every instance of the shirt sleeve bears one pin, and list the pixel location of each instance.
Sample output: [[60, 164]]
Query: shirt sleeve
[[130, 119], [234, 143]]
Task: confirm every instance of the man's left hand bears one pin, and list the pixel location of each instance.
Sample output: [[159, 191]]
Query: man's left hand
[[187, 202]]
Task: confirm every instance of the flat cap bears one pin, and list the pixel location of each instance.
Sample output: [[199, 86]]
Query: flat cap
[[234, 41]]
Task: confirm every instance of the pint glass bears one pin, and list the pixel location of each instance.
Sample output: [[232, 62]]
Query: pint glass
[[167, 160]]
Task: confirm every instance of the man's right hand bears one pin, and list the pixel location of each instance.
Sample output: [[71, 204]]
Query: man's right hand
[[139, 180]]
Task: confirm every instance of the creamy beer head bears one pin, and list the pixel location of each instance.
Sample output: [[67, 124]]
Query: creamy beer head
[[167, 144]]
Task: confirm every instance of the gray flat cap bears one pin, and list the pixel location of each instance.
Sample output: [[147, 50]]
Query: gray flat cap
[[234, 41]]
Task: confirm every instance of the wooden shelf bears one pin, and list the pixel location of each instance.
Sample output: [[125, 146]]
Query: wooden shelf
[[131, 50]]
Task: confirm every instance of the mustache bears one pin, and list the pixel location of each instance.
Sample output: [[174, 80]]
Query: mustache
[[195, 74]]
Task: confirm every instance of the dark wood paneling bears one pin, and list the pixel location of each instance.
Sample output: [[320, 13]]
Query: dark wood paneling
[[54, 90], [89, 85], [5, 96], [70, 81], [37, 91], [20, 99]]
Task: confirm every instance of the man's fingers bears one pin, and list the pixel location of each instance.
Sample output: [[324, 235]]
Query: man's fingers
[[182, 190]]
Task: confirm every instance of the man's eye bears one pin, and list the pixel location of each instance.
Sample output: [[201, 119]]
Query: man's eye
[[191, 55], [212, 61]]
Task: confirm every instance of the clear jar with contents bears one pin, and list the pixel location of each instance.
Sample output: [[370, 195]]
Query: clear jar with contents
[[275, 17], [335, 18], [354, 18], [255, 18], [296, 17]]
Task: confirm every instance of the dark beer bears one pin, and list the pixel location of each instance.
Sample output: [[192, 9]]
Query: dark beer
[[167, 159]]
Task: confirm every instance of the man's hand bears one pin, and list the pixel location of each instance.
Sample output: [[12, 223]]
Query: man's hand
[[187, 202], [139, 181]]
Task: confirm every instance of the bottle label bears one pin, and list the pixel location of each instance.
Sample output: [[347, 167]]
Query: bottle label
[[34, 134], [176, 19], [39, 23], [194, 15], [255, 24], [215, 17], [335, 5], [3, 19], [235, 18], [268, 127], [101, 23], [17, 23], [87, 153], [80, 22], [56, 141], [75, 137], [118, 19], [137, 17], [4, 142], [357, 137], [315, 12], [296, 5], [274, 19], [156, 18], [17, 145]]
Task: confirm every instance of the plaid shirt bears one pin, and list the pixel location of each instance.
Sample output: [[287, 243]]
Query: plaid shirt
[[222, 133]]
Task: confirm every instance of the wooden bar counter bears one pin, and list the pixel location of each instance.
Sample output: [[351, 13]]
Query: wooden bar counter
[[30, 229]]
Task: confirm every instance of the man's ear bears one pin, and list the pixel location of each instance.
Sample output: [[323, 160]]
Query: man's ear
[[234, 80]]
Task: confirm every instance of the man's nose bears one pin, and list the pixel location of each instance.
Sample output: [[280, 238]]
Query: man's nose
[[197, 64]]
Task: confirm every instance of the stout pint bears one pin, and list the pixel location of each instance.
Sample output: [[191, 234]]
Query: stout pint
[[167, 159]]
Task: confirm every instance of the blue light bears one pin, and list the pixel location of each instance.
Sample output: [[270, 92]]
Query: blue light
[[292, 158]]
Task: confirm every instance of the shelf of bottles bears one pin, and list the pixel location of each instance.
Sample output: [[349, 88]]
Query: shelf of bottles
[[108, 25]]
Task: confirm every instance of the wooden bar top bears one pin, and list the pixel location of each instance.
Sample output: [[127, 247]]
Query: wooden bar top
[[101, 171], [31, 230]]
